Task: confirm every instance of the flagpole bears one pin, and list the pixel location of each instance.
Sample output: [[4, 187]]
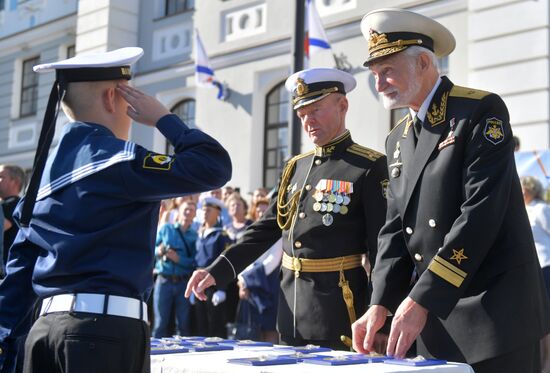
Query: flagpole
[[295, 129]]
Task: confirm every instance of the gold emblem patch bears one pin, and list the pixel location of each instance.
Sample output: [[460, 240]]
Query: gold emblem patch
[[458, 255], [160, 162], [494, 131]]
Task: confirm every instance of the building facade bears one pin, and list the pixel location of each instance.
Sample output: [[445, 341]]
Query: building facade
[[502, 46]]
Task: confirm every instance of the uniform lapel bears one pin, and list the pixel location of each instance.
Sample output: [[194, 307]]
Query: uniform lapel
[[433, 127]]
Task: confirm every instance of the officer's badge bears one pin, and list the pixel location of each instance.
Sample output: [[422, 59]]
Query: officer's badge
[[437, 114], [301, 87], [161, 162], [494, 131], [384, 184]]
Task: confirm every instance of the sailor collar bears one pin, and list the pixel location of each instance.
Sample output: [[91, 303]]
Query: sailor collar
[[336, 146]]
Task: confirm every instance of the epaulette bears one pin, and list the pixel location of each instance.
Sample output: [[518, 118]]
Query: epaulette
[[362, 151], [465, 92], [405, 119], [299, 156]]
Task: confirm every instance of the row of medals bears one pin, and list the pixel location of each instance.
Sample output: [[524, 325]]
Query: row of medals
[[330, 202]]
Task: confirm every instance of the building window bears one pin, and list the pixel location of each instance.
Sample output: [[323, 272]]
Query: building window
[[276, 134], [178, 6], [29, 88], [71, 51], [2, 5], [185, 110]]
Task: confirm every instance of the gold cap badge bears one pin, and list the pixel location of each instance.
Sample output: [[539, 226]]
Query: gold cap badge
[[301, 87]]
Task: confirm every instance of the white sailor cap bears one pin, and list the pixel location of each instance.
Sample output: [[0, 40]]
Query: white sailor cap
[[213, 202], [390, 30], [92, 67], [311, 85]]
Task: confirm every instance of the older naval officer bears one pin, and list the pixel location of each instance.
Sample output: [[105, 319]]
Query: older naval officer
[[329, 208], [86, 241], [455, 213]]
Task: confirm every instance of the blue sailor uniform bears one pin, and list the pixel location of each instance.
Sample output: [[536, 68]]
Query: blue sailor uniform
[[94, 223]]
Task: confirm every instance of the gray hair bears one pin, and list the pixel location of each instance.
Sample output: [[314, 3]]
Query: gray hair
[[532, 186], [415, 51], [16, 173]]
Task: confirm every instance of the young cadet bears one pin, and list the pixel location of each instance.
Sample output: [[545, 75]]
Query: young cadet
[[329, 209], [87, 248], [455, 213]]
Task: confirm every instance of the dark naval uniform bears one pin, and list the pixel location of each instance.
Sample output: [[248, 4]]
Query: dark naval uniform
[[330, 206], [456, 216], [93, 231]]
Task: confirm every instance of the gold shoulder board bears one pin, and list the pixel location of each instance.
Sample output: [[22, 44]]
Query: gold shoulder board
[[364, 152], [474, 94]]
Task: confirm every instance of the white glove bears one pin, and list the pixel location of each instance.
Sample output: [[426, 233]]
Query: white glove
[[218, 297]]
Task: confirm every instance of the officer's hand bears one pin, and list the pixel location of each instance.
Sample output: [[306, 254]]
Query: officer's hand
[[144, 108], [408, 322], [218, 297], [365, 329], [199, 281]]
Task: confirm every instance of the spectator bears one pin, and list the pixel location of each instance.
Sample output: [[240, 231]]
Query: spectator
[[257, 208], [212, 240], [175, 258], [12, 182], [236, 207], [226, 192], [539, 217]]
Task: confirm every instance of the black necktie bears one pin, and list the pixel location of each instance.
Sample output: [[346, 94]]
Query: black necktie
[[417, 127]]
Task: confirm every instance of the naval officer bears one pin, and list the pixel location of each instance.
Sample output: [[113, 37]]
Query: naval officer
[[329, 209], [88, 221], [455, 213]]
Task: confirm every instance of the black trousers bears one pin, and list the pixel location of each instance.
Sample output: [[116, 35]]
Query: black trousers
[[210, 319], [524, 360], [84, 342], [334, 344]]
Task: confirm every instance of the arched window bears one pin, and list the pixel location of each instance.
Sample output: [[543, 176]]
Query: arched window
[[184, 109], [276, 134]]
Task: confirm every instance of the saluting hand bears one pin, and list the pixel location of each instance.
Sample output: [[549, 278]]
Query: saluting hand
[[408, 322], [143, 108], [199, 281]]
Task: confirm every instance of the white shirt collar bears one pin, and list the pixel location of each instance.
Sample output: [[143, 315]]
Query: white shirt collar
[[424, 107]]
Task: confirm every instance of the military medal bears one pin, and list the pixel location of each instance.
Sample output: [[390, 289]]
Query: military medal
[[330, 206], [332, 198], [397, 151], [327, 219], [318, 196], [344, 210], [336, 209], [395, 172], [346, 201], [323, 207], [339, 199], [316, 206]]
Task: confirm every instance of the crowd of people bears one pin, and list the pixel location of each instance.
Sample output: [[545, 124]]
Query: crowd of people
[[192, 231]]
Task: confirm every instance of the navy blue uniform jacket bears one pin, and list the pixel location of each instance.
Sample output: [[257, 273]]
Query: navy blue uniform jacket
[[94, 224]]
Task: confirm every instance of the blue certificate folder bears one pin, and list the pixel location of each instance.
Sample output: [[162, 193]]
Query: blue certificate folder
[[265, 360], [246, 343], [339, 360], [415, 363]]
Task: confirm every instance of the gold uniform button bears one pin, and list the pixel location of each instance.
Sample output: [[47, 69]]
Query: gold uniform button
[[297, 244], [409, 230], [431, 223], [302, 215], [318, 162], [418, 257], [308, 187], [1, 351]]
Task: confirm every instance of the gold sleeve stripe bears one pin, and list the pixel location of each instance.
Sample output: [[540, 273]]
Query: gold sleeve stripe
[[475, 94], [445, 273], [450, 266]]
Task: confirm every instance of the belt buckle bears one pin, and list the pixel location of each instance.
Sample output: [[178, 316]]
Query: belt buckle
[[297, 264]]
